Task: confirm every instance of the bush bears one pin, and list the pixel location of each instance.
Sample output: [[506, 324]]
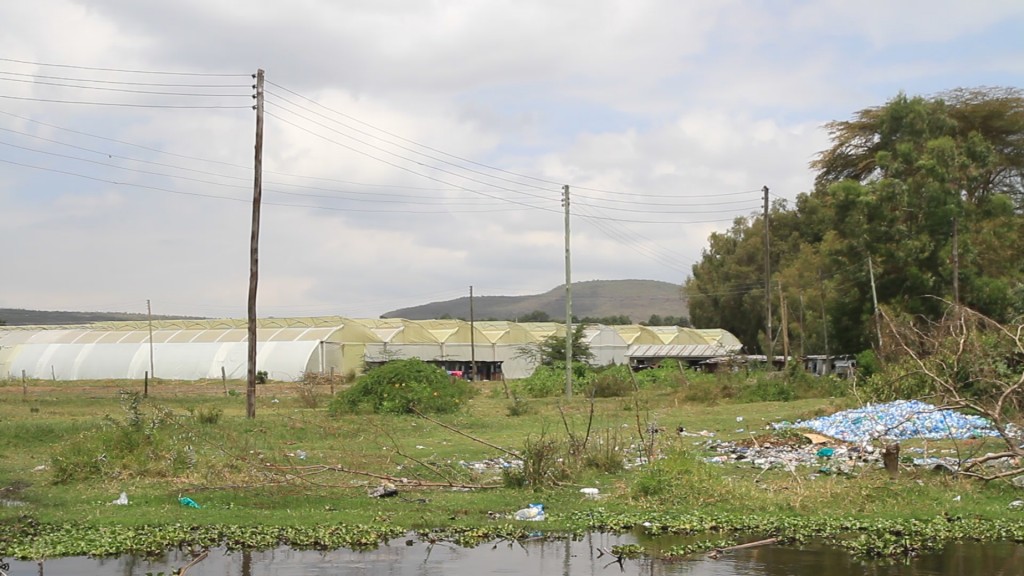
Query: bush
[[544, 464], [402, 387], [611, 383], [549, 380]]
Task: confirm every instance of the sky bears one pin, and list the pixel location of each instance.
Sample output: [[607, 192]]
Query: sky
[[415, 148]]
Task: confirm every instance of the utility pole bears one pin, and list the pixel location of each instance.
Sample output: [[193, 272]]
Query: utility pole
[[568, 297], [149, 316], [770, 353], [254, 241], [784, 327], [874, 298], [824, 318], [956, 263], [472, 335]]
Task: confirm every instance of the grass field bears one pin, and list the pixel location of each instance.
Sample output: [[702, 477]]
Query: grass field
[[67, 450]]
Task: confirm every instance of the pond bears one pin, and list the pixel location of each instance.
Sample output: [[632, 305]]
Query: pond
[[585, 557]]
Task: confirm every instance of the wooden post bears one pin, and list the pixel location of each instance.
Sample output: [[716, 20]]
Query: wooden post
[[53, 373], [891, 459], [24, 385], [224, 379], [332, 380], [257, 193], [145, 385]]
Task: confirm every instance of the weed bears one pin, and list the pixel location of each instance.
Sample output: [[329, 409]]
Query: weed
[[309, 388], [519, 407], [544, 464], [606, 452], [209, 415], [404, 387]]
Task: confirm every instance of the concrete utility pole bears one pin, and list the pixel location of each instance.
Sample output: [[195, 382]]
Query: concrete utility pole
[[874, 298], [472, 336], [254, 241], [568, 297], [149, 317], [770, 352], [956, 263]]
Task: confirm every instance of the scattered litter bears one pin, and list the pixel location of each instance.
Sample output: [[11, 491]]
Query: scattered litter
[[826, 452], [1016, 504], [186, 501], [301, 454], [817, 438], [418, 447], [11, 503], [956, 498], [739, 418], [590, 492], [899, 420], [533, 512], [121, 500], [40, 468], [385, 490], [1018, 481]]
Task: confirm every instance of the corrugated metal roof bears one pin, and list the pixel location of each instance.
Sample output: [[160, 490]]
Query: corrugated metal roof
[[679, 350]]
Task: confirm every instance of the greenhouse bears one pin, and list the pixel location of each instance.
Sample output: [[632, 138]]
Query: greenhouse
[[287, 348]]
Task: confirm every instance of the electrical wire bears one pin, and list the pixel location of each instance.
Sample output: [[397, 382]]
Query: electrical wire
[[407, 169], [124, 90], [121, 70], [122, 104], [124, 83]]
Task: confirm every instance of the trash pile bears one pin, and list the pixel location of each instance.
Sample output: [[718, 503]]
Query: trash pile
[[788, 455], [899, 420]]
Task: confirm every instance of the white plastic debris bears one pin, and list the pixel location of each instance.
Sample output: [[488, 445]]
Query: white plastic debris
[[1016, 504], [590, 492], [533, 512], [121, 500]]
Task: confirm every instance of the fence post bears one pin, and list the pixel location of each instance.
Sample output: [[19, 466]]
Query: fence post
[[145, 385], [24, 385], [224, 379]]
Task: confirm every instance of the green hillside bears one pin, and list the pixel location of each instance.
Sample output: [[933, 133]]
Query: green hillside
[[638, 299], [20, 317]]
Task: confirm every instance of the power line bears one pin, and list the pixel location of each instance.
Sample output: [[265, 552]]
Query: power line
[[121, 104], [157, 72], [123, 90], [424, 146], [399, 146], [407, 169], [124, 83]]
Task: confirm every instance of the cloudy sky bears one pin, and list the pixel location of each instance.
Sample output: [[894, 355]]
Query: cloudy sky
[[414, 148]]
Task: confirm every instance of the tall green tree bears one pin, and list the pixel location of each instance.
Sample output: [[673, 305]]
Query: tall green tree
[[931, 190]]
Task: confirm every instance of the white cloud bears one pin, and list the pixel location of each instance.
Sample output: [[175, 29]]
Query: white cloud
[[665, 117]]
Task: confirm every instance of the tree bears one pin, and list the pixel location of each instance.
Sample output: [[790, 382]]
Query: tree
[[931, 190], [535, 316], [551, 350]]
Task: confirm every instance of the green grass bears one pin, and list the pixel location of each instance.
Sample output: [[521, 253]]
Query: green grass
[[237, 470]]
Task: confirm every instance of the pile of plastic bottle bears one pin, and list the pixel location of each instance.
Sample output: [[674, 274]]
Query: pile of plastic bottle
[[899, 420]]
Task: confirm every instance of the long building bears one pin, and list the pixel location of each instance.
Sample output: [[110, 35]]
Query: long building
[[289, 347]]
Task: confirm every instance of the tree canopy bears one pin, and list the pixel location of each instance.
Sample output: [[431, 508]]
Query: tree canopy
[[926, 193]]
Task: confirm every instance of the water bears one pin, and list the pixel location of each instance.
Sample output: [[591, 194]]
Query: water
[[539, 557]]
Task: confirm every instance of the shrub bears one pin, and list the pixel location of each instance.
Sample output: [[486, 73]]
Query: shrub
[[309, 388], [549, 380], [402, 387], [544, 464], [611, 383]]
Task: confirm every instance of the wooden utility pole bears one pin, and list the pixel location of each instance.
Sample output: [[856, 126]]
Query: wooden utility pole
[[254, 241], [472, 336], [568, 297], [770, 352]]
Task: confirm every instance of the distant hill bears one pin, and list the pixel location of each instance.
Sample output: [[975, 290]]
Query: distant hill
[[19, 317], [638, 299]]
